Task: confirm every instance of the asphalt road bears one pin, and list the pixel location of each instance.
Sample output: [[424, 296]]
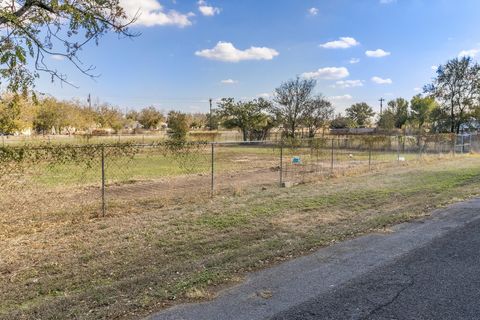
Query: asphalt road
[[438, 281], [427, 269]]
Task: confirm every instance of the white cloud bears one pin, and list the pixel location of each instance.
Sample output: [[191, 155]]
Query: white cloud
[[379, 53], [58, 57], [379, 80], [417, 89], [342, 43], [313, 11], [329, 73], [387, 1], [344, 97], [226, 51], [229, 81], [264, 95], [151, 13], [472, 53], [207, 10], [354, 61], [349, 83]]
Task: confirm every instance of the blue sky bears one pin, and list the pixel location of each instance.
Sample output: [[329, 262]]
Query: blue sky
[[189, 51]]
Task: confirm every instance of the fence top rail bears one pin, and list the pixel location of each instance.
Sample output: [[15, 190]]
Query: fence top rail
[[161, 143]]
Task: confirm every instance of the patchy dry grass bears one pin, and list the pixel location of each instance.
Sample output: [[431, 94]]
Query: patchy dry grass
[[67, 264]]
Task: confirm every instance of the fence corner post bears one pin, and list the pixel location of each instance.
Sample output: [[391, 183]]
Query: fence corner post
[[455, 145], [281, 164], [332, 155], [370, 156], [212, 182], [398, 149], [103, 182]]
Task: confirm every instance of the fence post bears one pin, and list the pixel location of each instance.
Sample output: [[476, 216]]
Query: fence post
[[331, 166], [455, 145], [398, 149], [369, 156], [420, 150], [212, 182], [103, 182], [281, 164]]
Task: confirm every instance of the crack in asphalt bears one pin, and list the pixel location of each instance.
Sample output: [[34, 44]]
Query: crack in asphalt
[[394, 298]]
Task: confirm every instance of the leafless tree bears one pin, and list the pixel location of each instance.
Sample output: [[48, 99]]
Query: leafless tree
[[291, 99], [317, 114]]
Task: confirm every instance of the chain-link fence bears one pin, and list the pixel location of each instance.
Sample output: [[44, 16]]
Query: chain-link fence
[[108, 179]]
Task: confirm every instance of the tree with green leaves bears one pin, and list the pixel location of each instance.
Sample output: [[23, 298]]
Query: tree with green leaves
[[32, 30], [342, 122], [422, 111], [457, 89], [399, 110], [291, 99], [132, 115], [317, 114], [49, 117], [361, 114], [178, 126], [10, 111], [109, 118], [61, 116], [395, 116], [386, 120], [440, 120], [150, 118], [250, 117]]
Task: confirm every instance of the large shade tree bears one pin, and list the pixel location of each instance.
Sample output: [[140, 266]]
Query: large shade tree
[[395, 115], [360, 114], [421, 111], [178, 126], [251, 117], [32, 30], [109, 117], [457, 89], [399, 110], [291, 99], [150, 118]]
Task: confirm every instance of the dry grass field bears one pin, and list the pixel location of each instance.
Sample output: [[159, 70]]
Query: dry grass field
[[64, 262]]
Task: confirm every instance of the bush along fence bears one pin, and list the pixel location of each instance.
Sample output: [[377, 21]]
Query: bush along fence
[[96, 180]]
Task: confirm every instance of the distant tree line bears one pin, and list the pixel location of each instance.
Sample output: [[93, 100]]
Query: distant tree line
[[449, 104], [49, 115], [294, 107]]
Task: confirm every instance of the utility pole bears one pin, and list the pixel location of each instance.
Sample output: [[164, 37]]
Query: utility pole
[[89, 99], [210, 125], [381, 105]]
